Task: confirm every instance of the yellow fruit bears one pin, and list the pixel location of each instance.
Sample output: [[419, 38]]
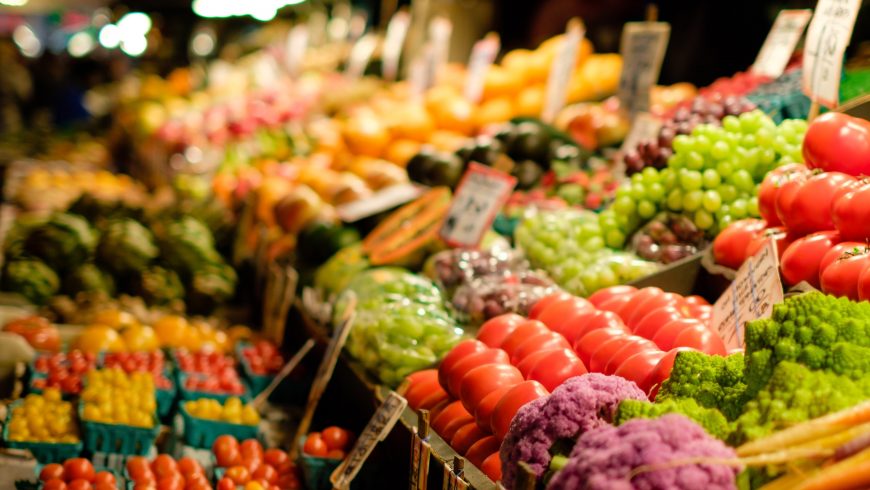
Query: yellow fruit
[[254, 485], [250, 415], [138, 338], [51, 395], [412, 122], [114, 318], [171, 330], [365, 134], [530, 101], [96, 338], [494, 111]]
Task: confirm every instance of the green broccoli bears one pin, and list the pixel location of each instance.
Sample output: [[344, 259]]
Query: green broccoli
[[710, 419], [796, 393], [713, 381]]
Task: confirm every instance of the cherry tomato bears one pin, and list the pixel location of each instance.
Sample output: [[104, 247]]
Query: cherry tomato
[[521, 334], [336, 454], [105, 486], [461, 368], [638, 367], [666, 336], [251, 448], [51, 471], [837, 251], [266, 472], [289, 482], [801, 260], [336, 437], [589, 321], [226, 483], [55, 484], [838, 142], [276, 457], [483, 412], [139, 485], [546, 301], [171, 482], [558, 313], [226, 451], [453, 411], [729, 247], [139, 469], [602, 295], [769, 190], [589, 343], [636, 346], [554, 368], [105, 478], [481, 449], [654, 320], [314, 445], [78, 469], [538, 342], [491, 466], [811, 209], [851, 213], [510, 404], [465, 436], [482, 380], [494, 330], [164, 465], [662, 371], [79, 484], [841, 276], [240, 474]]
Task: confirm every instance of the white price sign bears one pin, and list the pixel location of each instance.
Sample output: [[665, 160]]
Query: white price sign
[[360, 55], [752, 294], [481, 193], [482, 55], [440, 30], [644, 126], [827, 39], [780, 43], [393, 42], [561, 69], [643, 47], [297, 44]]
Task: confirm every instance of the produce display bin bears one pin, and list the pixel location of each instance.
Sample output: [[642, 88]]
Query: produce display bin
[[256, 382], [117, 438], [316, 471], [44, 452], [186, 394], [166, 399], [201, 433]]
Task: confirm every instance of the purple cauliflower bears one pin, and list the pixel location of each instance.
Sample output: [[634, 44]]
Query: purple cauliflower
[[580, 404], [604, 458]]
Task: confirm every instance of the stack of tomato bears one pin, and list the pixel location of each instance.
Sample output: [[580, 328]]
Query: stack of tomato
[[210, 372], [165, 473], [146, 362], [263, 358], [332, 442], [248, 465], [483, 382], [37, 331], [76, 474], [63, 371]]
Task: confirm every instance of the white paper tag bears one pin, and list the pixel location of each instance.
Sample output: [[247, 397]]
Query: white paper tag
[[420, 71], [827, 39], [482, 55], [643, 49], [360, 55], [393, 42], [561, 70], [644, 126], [752, 294], [380, 201], [357, 26], [440, 29], [481, 193], [297, 44], [780, 43]]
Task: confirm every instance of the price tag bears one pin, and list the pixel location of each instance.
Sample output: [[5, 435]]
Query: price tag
[[780, 43], [395, 39], [297, 44], [453, 476], [482, 55], [481, 193], [360, 55], [643, 47], [752, 294], [644, 126], [357, 25], [420, 451], [376, 430], [827, 39], [561, 69], [420, 74], [440, 29], [380, 201]]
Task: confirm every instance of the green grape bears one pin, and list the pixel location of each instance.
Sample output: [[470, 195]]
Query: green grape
[[636, 180], [742, 180], [731, 124], [607, 278], [725, 168], [623, 205], [712, 201], [764, 137], [691, 180], [646, 209], [752, 206], [748, 141], [681, 143], [587, 230], [711, 179], [694, 161], [692, 200], [703, 219], [738, 208], [655, 191], [669, 178], [768, 156], [725, 221], [607, 219], [638, 192], [702, 142], [615, 239], [727, 192], [675, 200], [650, 176], [593, 244], [720, 150]]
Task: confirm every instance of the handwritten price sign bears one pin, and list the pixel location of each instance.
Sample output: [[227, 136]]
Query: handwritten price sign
[[780, 43], [827, 39], [481, 193], [643, 49], [561, 69]]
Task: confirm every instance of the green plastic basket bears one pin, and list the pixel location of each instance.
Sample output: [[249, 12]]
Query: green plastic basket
[[316, 471], [201, 433], [256, 382], [44, 452], [186, 394], [117, 438], [166, 398]]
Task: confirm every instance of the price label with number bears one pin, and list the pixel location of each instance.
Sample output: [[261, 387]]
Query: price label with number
[[827, 39], [393, 42], [751, 295], [561, 69], [643, 49], [481, 193], [780, 43], [482, 55]]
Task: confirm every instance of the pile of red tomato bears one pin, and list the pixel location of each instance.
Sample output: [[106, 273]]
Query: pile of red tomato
[[247, 462], [165, 473], [76, 474], [63, 371], [210, 372], [37, 331], [332, 442], [263, 358]]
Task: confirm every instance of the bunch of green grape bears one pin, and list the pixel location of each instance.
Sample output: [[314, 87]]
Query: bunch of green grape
[[712, 177], [570, 246]]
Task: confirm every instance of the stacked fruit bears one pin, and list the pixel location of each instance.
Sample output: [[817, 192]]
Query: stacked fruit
[[332, 442], [63, 371], [209, 372], [115, 397], [232, 411], [146, 362], [263, 358], [76, 474], [43, 418], [165, 472], [248, 465], [711, 177]]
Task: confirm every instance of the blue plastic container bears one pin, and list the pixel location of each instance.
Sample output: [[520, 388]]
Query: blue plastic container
[[201, 433], [118, 438], [44, 452]]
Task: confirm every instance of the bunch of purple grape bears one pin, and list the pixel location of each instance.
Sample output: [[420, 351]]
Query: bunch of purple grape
[[655, 153]]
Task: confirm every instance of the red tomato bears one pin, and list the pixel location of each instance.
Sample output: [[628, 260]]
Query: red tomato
[[729, 247], [838, 142], [841, 276], [251, 448], [422, 388], [636, 346], [801, 260], [530, 360], [314, 445], [629, 309], [51, 471], [546, 301], [289, 482], [454, 425], [616, 303], [105, 486], [37, 331], [654, 320], [170, 482], [336, 454], [266, 472], [79, 484], [605, 350], [603, 295], [105, 478], [55, 484], [769, 190], [240, 475], [837, 251], [482, 380], [420, 376], [811, 209], [851, 213], [483, 413], [139, 469], [481, 450], [662, 371], [451, 412], [145, 485], [226, 451], [694, 299], [196, 481], [592, 320], [336, 437], [511, 403], [666, 336], [589, 343], [433, 399], [467, 435], [437, 409], [864, 285], [537, 343], [703, 338], [461, 368], [557, 313], [521, 333], [78, 469], [557, 366], [226, 483], [164, 465], [491, 466], [787, 194], [779, 236], [494, 330], [638, 367], [701, 312], [276, 457], [652, 304], [458, 353]]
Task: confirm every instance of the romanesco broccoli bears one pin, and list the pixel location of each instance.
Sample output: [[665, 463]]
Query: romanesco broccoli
[[710, 419], [712, 381]]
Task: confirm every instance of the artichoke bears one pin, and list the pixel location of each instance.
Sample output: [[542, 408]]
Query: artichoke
[[32, 279], [187, 246], [62, 242], [211, 286], [88, 277], [16, 237], [127, 246], [159, 286]]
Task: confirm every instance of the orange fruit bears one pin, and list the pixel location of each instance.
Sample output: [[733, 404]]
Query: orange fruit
[[502, 82], [439, 95], [516, 60], [140, 338], [455, 114], [96, 338], [401, 150], [530, 101], [365, 134], [447, 140], [411, 121], [171, 330], [114, 318], [494, 111], [538, 69]]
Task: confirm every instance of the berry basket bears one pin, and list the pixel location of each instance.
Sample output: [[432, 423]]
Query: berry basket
[[165, 398], [117, 438], [256, 382], [186, 394], [44, 452], [316, 471], [201, 433]]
